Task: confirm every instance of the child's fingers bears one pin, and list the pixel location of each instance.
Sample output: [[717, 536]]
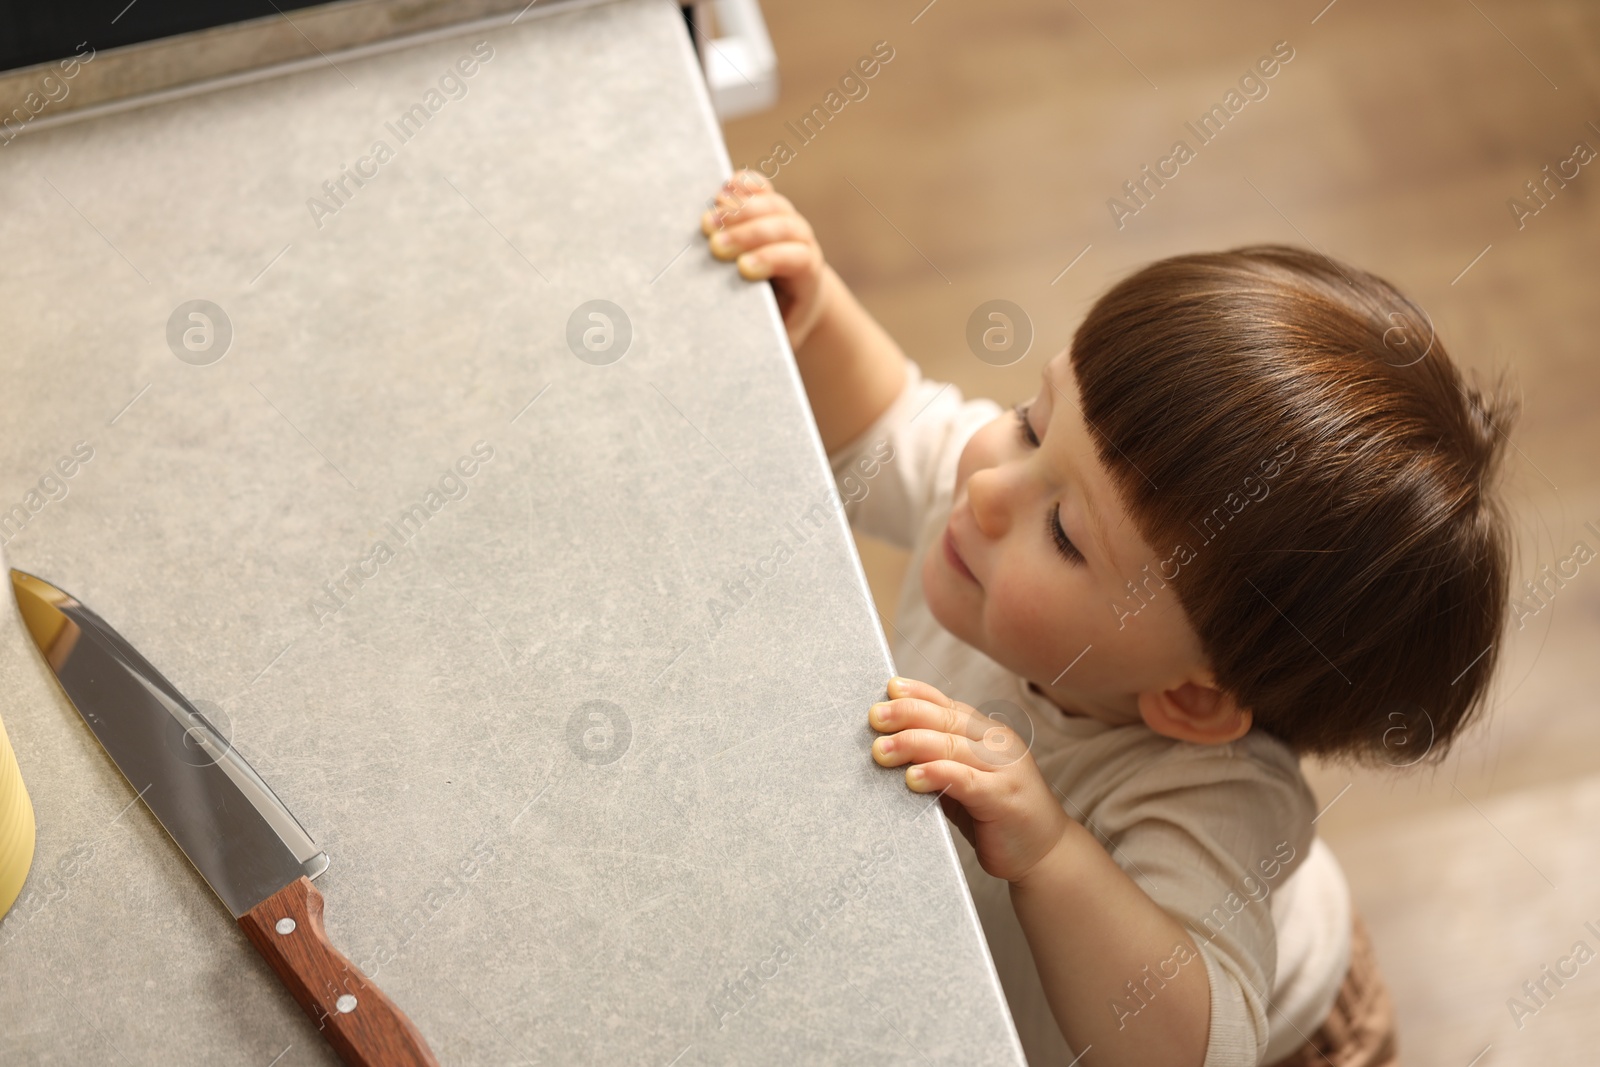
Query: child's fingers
[[735, 193], [926, 746], [725, 212], [748, 236], [952, 779], [755, 203], [746, 181], [911, 687], [982, 743], [967, 734], [787, 259], [905, 713]]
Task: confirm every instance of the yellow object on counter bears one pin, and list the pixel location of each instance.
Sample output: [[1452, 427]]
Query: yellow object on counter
[[16, 826], [16, 810]]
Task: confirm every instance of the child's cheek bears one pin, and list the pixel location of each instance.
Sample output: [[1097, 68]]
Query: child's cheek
[[966, 465], [1020, 610], [1020, 632]]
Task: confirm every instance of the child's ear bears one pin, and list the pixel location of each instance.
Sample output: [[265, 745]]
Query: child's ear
[[1195, 711]]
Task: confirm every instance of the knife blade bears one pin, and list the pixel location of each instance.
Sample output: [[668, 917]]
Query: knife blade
[[244, 841]]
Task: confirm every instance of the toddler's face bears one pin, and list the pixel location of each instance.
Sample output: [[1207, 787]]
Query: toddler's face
[[1044, 601]]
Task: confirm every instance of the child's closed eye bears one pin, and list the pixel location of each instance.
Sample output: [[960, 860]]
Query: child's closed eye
[[1058, 534], [1025, 430]]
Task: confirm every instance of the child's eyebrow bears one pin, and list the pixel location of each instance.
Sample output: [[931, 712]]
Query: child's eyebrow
[[1097, 528]]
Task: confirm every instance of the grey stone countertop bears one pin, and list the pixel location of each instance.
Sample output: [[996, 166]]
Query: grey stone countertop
[[565, 661]]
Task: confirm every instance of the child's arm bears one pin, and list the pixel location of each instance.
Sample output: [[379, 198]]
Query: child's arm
[[852, 370], [1092, 931]]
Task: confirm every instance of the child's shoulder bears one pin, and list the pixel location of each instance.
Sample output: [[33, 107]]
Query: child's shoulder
[[1246, 796], [1255, 764]]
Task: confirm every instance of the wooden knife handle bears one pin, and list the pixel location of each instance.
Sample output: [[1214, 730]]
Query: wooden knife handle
[[363, 1026]]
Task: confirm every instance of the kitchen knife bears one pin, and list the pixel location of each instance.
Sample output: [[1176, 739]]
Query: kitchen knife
[[234, 829]]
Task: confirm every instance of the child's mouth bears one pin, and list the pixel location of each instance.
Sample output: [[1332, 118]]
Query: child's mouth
[[953, 557]]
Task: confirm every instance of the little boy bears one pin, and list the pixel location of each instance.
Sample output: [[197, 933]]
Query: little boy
[[1243, 519]]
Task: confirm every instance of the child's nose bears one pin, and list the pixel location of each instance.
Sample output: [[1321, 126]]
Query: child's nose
[[986, 496]]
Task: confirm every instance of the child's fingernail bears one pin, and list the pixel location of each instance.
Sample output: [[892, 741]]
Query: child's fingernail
[[915, 775], [753, 268], [898, 684], [720, 242]]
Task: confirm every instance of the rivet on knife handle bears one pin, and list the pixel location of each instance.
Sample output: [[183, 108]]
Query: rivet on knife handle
[[362, 1024]]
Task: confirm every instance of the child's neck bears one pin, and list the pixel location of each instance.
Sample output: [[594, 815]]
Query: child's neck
[[1077, 711]]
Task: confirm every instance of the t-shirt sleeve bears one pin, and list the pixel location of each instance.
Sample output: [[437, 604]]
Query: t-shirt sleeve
[[1209, 836], [890, 474]]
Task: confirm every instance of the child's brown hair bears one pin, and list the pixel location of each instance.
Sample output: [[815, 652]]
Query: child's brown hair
[[1295, 426]]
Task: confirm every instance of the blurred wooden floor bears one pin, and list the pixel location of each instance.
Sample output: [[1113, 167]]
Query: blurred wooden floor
[[979, 166]]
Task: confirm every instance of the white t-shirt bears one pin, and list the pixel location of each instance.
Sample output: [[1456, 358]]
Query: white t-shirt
[[1219, 836]]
